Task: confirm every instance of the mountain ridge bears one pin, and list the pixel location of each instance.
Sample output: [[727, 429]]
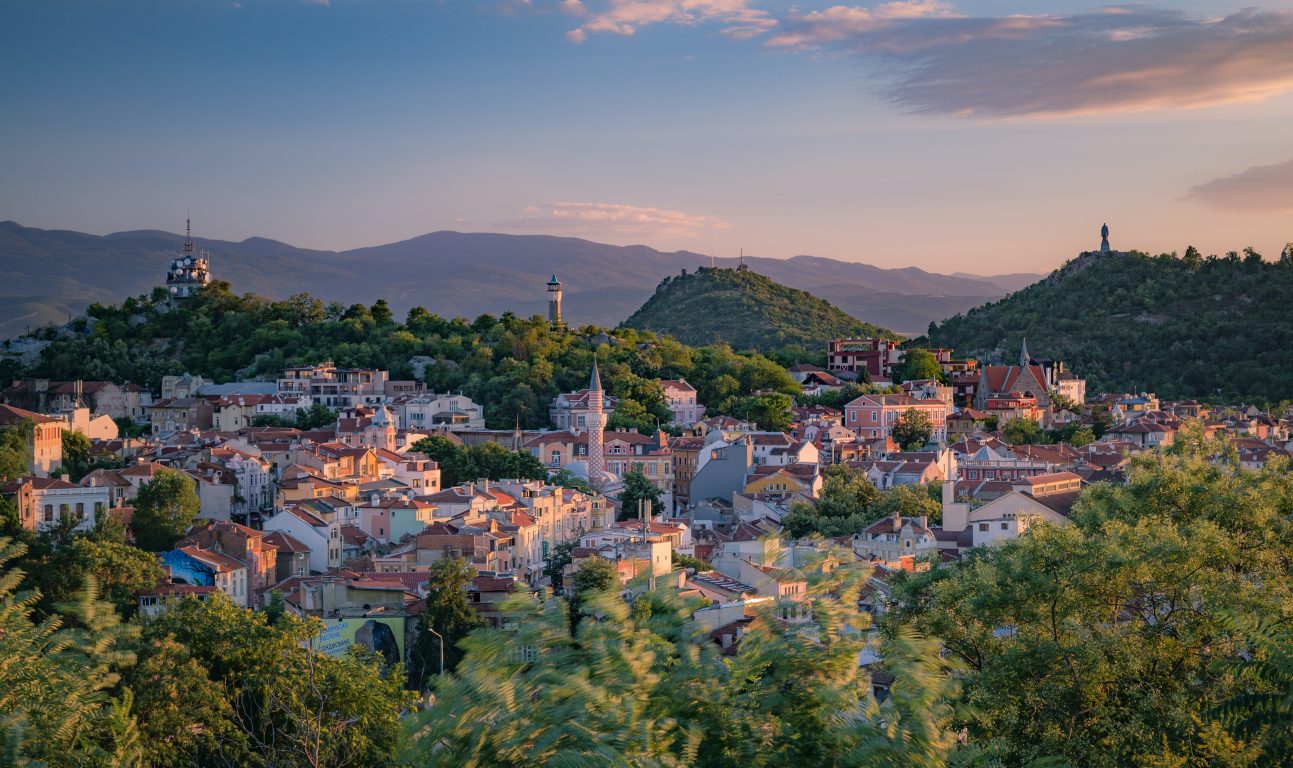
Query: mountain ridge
[[71, 270]]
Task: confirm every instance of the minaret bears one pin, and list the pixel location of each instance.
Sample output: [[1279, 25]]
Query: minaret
[[1104, 238], [596, 422], [554, 301]]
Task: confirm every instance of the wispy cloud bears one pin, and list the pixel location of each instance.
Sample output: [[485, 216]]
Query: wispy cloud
[[1262, 188], [1112, 60], [841, 24], [737, 18], [932, 59], [573, 218]]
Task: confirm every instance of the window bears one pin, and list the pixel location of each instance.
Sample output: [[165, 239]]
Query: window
[[1005, 526], [49, 513], [983, 527], [63, 511], [80, 510]]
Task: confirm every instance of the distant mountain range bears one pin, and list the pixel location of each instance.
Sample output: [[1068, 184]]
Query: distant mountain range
[[47, 275], [746, 310]]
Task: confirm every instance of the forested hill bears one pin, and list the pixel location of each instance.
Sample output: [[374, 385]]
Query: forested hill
[[747, 310], [512, 366], [1180, 327]]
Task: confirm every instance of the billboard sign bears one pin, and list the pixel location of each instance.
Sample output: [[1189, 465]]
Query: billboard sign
[[384, 635]]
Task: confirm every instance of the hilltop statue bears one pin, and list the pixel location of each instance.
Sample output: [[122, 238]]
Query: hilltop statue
[[1104, 238]]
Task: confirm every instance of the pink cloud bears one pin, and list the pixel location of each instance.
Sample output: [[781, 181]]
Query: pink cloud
[[841, 22], [624, 17], [575, 218], [1262, 188]]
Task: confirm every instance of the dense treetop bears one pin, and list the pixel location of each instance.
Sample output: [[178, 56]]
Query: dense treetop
[[746, 310], [512, 366], [1181, 327]]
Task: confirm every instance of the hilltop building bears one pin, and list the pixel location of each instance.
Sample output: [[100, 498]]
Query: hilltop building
[[189, 273]]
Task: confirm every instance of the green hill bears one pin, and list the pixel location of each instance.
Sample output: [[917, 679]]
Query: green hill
[[746, 310], [1217, 328]]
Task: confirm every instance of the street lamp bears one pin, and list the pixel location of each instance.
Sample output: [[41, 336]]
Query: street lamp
[[441, 639]]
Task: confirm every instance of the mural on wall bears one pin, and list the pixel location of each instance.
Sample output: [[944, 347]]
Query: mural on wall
[[385, 636]]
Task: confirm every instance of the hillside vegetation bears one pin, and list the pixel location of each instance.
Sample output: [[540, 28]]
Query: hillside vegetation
[[746, 310], [512, 366], [1180, 327]]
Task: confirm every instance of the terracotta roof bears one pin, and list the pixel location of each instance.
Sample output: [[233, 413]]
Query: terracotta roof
[[354, 536], [9, 415], [283, 542], [220, 561], [40, 484]]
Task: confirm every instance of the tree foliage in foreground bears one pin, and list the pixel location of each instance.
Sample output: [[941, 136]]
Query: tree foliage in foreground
[[643, 686], [1109, 642]]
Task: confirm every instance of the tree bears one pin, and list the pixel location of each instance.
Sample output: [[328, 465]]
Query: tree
[[293, 705], [567, 479], [165, 507], [593, 577], [183, 715], [845, 491], [1083, 436], [913, 429], [558, 559], [1022, 432], [910, 501], [1262, 711], [56, 701], [1120, 643], [122, 571], [918, 364], [316, 416], [15, 453], [449, 613], [644, 687], [770, 411], [638, 488]]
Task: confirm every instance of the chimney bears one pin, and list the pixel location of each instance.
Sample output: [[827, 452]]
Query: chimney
[[924, 521], [483, 482]]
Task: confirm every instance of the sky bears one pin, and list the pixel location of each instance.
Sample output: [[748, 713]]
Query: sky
[[981, 136]]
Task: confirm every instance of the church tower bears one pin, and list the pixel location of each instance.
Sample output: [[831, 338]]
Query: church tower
[[380, 433], [596, 422], [554, 301], [1024, 358]]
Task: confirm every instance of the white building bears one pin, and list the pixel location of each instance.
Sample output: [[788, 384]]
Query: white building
[[428, 410], [43, 502]]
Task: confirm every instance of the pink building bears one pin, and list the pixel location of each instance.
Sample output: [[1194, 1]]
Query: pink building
[[872, 416], [681, 399]]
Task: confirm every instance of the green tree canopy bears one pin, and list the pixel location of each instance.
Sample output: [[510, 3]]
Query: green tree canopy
[[913, 429], [448, 612], [637, 487], [918, 364], [165, 508], [1108, 642], [1023, 432]]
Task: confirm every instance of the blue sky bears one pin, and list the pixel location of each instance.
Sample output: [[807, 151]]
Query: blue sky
[[973, 136]]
